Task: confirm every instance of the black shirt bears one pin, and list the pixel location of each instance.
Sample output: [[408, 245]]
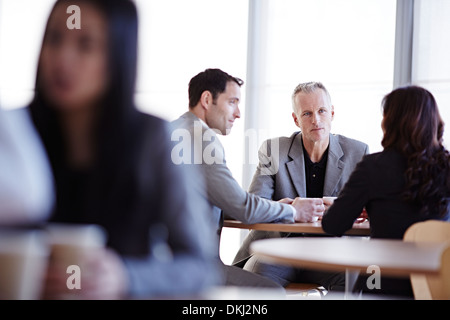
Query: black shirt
[[315, 174]]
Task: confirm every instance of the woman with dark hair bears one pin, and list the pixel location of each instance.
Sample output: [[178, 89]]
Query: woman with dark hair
[[408, 182], [112, 164]]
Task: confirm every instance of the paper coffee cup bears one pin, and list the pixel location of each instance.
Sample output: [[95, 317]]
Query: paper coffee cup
[[328, 201], [68, 244], [23, 262], [68, 240]]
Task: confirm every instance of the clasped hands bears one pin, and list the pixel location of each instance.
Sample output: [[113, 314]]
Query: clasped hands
[[312, 209], [306, 209]]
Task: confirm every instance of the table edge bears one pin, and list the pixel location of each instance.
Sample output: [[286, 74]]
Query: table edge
[[312, 227], [327, 266]]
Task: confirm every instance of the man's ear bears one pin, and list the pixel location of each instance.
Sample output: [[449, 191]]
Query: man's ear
[[295, 119], [332, 112], [206, 99]]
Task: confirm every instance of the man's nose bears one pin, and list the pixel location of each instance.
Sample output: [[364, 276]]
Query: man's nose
[[237, 113], [315, 118]]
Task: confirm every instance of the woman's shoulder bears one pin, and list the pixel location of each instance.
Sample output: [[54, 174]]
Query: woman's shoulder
[[146, 125], [383, 161], [148, 119], [147, 131], [387, 155]]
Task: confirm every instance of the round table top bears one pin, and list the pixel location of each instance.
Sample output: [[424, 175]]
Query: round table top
[[393, 257]]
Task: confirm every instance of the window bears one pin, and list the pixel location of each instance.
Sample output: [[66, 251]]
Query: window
[[22, 24], [431, 52], [348, 45]]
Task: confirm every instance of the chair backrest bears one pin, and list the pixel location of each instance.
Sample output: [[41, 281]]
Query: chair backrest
[[431, 287]]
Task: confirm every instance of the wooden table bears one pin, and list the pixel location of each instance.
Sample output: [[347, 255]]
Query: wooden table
[[359, 229], [350, 254]]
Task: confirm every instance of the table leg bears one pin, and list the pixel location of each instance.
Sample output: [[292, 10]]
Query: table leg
[[350, 279]]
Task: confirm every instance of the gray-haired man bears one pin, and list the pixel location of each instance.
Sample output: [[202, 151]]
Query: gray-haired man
[[311, 163]]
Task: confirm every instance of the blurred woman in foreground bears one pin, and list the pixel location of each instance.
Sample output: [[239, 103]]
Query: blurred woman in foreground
[[112, 163]]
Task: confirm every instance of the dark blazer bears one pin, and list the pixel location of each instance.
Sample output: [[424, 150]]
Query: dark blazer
[[376, 184], [281, 174], [144, 203]]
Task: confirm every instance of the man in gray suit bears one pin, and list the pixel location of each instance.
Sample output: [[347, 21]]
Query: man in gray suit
[[311, 163], [214, 98]]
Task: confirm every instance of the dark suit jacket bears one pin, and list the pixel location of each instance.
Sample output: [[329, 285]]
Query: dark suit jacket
[[281, 174], [147, 205], [376, 184]]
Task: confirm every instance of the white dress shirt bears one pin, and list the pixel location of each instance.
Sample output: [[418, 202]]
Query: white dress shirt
[[26, 181]]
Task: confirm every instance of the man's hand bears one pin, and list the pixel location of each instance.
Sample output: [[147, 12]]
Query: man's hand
[[103, 276], [308, 209], [286, 200]]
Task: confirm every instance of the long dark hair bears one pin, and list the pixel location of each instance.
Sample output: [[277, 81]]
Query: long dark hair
[[413, 127], [115, 125], [117, 108]]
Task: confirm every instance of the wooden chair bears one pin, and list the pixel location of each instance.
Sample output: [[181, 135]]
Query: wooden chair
[[431, 287]]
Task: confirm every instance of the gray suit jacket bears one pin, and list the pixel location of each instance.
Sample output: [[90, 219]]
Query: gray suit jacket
[[281, 174], [197, 144]]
